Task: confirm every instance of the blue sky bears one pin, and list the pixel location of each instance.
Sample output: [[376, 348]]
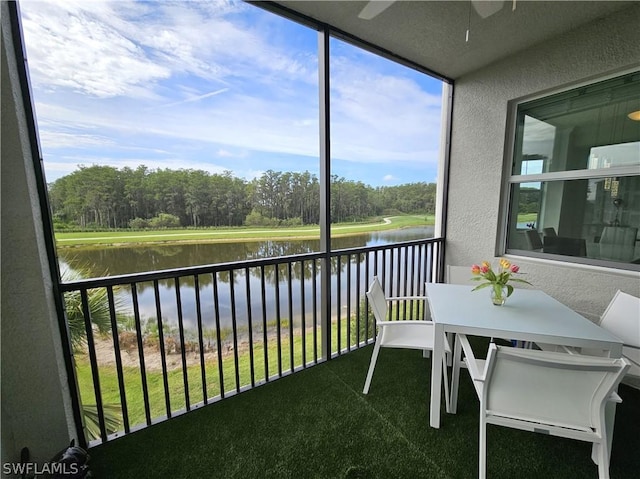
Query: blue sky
[[218, 85]]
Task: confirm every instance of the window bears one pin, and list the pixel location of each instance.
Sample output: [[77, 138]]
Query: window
[[574, 187]]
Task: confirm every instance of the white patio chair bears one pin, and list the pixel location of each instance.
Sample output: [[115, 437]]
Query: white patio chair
[[546, 392], [622, 319], [408, 334]]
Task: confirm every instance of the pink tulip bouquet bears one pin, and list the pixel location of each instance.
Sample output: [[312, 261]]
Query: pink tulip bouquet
[[496, 279]]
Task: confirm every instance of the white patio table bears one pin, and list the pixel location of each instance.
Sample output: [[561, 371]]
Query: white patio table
[[528, 315]]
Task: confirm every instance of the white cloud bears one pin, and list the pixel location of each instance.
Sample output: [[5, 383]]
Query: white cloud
[[60, 139], [73, 49], [128, 50], [251, 174], [56, 169], [196, 98], [185, 80], [388, 178], [222, 153], [378, 117], [124, 48]]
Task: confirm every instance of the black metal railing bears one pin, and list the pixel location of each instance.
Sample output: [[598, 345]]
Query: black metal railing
[[150, 346]]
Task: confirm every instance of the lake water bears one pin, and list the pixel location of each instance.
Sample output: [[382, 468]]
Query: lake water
[[154, 257], [111, 261]]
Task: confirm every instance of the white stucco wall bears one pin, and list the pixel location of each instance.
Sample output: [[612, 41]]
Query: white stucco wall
[[35, 399], [477, 151]]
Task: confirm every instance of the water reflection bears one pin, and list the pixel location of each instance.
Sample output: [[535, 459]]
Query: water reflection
[[97, 262], [244, 297]]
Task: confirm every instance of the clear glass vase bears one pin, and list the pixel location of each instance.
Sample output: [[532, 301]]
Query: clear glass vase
[[499, 294]]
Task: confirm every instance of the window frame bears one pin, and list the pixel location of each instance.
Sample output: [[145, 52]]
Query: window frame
[[510, 180]]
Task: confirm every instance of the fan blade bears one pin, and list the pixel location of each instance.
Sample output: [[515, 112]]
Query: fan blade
[[375, 8], [486, 8]]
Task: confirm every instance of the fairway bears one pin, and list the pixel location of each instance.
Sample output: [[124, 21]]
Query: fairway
[[234, 234]]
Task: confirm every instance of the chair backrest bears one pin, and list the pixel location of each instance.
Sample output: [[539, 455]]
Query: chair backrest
[[618, 243], [550, 388], [622, 318], [564, 246], [549, 231], [533, 239], [377, 300], [623, 235]]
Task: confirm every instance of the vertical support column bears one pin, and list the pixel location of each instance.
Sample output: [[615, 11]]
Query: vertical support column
[[442, 189], [325, 191], [40, 406]]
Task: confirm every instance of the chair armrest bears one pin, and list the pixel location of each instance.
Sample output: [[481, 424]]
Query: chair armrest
[[404, 322], [406, 298], [614, 398], [632, 361], [558, 348], [470, 359], [398, 301]]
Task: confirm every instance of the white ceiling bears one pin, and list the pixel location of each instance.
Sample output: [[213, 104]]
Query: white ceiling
[[433, 33]]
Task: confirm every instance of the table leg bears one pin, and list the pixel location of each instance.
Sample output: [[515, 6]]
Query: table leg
[[455, 376], [436, 375]]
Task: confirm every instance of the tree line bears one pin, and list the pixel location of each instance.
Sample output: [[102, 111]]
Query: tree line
[[108, 197]]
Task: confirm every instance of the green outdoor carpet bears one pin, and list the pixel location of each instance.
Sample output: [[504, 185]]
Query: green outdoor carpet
[[318, 424]]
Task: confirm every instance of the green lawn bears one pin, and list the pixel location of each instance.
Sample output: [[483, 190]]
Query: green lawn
[[317, 424], [527, 218], [234, 234], [155, 384]]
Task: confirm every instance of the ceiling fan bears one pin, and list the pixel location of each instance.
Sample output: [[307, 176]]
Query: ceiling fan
[[484, 8]]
